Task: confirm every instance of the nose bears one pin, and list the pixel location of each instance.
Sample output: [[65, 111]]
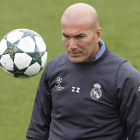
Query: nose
[[72, 44]]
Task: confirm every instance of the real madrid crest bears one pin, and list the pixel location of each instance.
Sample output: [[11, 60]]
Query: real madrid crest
[[96, 92]]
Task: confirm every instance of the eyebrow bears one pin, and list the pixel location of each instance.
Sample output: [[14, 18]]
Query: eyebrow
[[81, 34]]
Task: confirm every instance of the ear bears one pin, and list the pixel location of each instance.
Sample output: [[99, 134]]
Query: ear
[[98, 34]]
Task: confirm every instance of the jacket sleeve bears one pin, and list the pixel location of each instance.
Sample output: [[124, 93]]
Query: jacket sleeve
[[41, 116], [128, 92]]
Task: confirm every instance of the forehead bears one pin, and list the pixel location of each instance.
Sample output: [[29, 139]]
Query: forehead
[[73, 28]]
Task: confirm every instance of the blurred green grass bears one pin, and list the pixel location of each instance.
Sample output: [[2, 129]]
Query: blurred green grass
[[120, 25]]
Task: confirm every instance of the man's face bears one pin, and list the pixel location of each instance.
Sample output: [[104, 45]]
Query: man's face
[[80, 40]]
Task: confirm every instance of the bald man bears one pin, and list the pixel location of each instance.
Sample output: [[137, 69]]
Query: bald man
[[81, 32], [88, 93]]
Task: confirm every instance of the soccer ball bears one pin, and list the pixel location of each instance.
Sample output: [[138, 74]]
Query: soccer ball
[[22, 53]]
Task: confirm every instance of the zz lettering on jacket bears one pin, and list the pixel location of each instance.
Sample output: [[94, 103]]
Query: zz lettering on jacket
[[75, 89]]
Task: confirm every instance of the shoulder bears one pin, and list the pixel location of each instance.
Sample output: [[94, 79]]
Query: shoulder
[[57, 62], [127, 73], [114, 57], [127, 70]]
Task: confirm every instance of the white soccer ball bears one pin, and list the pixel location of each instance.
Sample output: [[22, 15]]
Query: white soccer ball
[[23, 53]]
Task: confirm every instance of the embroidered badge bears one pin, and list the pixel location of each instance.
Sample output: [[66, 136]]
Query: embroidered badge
[[96, 92], [59, 81], [139, 88]]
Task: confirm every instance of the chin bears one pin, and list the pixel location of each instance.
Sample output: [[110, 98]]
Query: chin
[[76, 60]]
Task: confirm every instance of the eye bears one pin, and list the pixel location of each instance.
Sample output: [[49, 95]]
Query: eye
[[80, 36], [66, 36]]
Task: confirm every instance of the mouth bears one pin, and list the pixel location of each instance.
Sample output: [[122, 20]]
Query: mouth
[[74, 54]]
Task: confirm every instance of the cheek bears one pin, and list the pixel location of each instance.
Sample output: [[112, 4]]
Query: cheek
[[86, 44], [89, 47], [65, 42]]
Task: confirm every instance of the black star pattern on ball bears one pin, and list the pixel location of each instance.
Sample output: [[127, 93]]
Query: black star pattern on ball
[[29, 33], [1, 65], [36, 57], [12, 49], [36, 48], [18, 72]]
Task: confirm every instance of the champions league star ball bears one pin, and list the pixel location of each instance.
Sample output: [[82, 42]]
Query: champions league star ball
[[22, 53]]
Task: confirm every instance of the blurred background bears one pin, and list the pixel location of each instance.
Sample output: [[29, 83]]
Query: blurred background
[[120, 23]]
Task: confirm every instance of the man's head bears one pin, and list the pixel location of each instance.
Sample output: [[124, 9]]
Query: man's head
[[80, 32]]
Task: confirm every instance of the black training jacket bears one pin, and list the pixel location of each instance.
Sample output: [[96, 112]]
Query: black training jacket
[[97, 100]]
